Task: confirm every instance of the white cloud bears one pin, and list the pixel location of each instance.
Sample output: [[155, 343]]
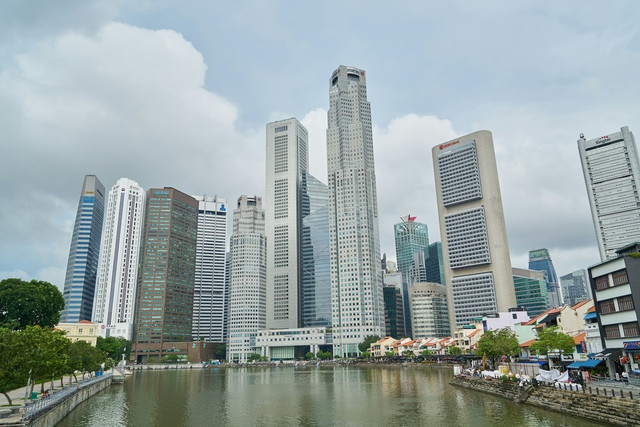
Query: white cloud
[[404, 173], [123, 102]]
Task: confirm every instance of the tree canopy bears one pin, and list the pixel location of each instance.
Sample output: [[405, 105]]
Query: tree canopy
[[455, 351], [549, 339], [114, 347], [34, 303], [495, 344], [364, 345]]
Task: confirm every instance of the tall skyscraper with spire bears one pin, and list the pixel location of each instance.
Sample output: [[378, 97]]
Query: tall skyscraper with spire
[[114, 302], [475, 250], [612, 176], [287, 161], [357, 303], [84, 254]]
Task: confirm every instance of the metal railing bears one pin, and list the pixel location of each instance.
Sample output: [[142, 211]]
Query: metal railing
[[596, 389], [36, 406]]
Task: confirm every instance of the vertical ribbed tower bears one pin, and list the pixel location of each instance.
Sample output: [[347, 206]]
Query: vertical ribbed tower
[[210, 288], [248, 278], [286, 163], [114, 303], [84, 254], [612, 175], [357, 304]]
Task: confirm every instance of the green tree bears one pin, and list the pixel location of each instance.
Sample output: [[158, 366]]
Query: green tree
[[550, 340], [388, 353], [170, 358], [495, 344], [363, 346], [254, 357], [455, 351], [365, 355], [220, 352], [309, 356], [84, 357], [34, 303], [114, 347], [426, 352], [44, 353], [408, 353], [12, 376]]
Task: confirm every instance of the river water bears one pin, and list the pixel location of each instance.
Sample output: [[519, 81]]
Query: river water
[[304, 396]]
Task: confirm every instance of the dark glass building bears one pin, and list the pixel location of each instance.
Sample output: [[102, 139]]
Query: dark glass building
[[393, 312], [82, 266], [540, 260], [316, 271], [531, 291], [435, 267], [164, 303]]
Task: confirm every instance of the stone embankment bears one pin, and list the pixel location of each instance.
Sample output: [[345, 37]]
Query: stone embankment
[[607, 409]]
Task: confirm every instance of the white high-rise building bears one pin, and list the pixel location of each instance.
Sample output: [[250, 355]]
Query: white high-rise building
[[210, 290], [612, 176], [248, 278], [477, 266], [357, 304], [114, 302], [287, 162]]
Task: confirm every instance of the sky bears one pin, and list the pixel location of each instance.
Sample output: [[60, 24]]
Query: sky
[[178, 93]]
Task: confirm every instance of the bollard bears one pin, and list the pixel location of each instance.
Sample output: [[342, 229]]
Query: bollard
[[621, 393], [630, 395], [597, 391]]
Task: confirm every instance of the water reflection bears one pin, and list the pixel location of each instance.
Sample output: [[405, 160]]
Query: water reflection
[[310, 396]]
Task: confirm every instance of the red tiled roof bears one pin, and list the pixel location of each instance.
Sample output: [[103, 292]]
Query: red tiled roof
[[592, 309], [528, 343], [580, 304], [85, 321], [579, 338], [474, 332], [535, 319]]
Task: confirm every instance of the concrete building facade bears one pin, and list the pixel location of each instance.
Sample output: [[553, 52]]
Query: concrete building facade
[[575, 287], [210, 290], [612, 176], [164, 300], [116, 287], [248, 278], [475, 250], [356, 276], [84, 253], [429, 311], [286, 162]]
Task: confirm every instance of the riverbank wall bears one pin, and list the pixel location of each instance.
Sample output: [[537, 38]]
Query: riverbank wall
[[617, 411], [55, 413]]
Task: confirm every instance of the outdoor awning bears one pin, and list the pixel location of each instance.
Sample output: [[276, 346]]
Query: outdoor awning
[[591, 363], [605, 354], [591, 315], [576, 365]]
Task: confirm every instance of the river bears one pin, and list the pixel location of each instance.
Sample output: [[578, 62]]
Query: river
[[309, 396]]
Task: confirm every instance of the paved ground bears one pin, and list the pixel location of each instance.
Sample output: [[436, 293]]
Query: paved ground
[[17, 396]]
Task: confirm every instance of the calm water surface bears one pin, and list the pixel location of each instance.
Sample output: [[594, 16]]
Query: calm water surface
[[310, 396]]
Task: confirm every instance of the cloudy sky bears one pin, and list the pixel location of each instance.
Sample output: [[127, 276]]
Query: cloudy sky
[[175, 93]]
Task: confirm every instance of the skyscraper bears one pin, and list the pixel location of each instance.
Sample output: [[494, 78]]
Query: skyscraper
[[316, 274], [612, 177], [164, 300], [429, 312], [287, 162], [531, 291], [435, 266], [115, 297], [82, 266], [248, 278], [412, 238], [394, 312], [210, 288], [575, 287], [540, 260], [356, 276], [475, 250]]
